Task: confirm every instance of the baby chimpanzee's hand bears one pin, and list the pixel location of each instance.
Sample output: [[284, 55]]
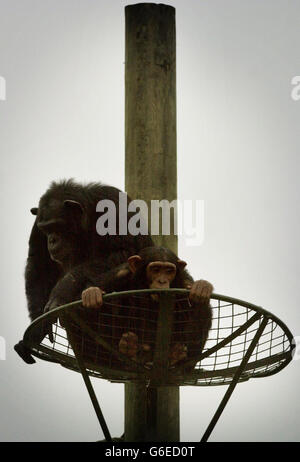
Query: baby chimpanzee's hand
[[200, 292], [92, 297]]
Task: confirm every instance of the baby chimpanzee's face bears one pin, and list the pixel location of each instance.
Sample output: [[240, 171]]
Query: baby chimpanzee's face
[[160, 274]]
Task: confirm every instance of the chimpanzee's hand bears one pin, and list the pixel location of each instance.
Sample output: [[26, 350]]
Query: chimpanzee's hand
[[47, 325], [200, 292], [51, 304], [92, 297]]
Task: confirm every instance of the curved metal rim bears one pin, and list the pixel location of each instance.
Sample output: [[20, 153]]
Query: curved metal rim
[[214, 296], [218, 297]]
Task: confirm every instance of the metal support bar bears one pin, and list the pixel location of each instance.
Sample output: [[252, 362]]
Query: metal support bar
[[221, 344], [235, 380], [88, 384], [97, 339]]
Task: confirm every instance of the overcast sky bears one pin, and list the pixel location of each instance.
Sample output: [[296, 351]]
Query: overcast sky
[[238, 150]]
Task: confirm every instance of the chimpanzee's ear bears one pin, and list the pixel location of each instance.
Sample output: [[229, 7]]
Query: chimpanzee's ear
[[34, 210], [181, 264], [76, 210], [73, 205], [133, 262]]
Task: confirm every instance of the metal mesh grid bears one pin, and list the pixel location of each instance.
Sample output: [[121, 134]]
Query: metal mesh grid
[[271, 353], [95, 334]]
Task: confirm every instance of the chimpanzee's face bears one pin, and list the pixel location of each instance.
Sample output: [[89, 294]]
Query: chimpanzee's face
[[57, 220], [61, 247], [160, 274]]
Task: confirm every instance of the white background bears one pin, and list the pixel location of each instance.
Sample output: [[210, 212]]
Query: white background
[[238, 150]]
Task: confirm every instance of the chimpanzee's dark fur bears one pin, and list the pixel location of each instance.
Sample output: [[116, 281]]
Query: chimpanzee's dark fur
[[89, 254], [192, 321]]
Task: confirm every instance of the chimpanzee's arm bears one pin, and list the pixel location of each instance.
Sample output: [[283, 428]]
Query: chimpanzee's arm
[[41, 273], [88, 274], [198, 327], [70, 286], [187, 279]]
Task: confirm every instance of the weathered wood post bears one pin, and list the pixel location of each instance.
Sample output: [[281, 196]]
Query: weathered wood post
[[151, 414]]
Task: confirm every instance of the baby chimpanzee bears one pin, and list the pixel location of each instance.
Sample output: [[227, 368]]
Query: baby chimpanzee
[[156, 268]]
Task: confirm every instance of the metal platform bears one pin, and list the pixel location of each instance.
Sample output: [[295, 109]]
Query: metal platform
[[235, 323], [244, 342]]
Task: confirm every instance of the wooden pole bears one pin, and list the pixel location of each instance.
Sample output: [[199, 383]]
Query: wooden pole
[[150, 106], [151, 414]]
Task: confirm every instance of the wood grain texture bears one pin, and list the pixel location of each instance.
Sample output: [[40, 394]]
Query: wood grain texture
[[151, 414], [150, 106]]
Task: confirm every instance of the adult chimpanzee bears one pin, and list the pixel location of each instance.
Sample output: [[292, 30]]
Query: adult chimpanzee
[[65, 250], [155, 268]]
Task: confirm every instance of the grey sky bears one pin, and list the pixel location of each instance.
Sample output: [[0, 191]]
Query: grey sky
[[238, 150]]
